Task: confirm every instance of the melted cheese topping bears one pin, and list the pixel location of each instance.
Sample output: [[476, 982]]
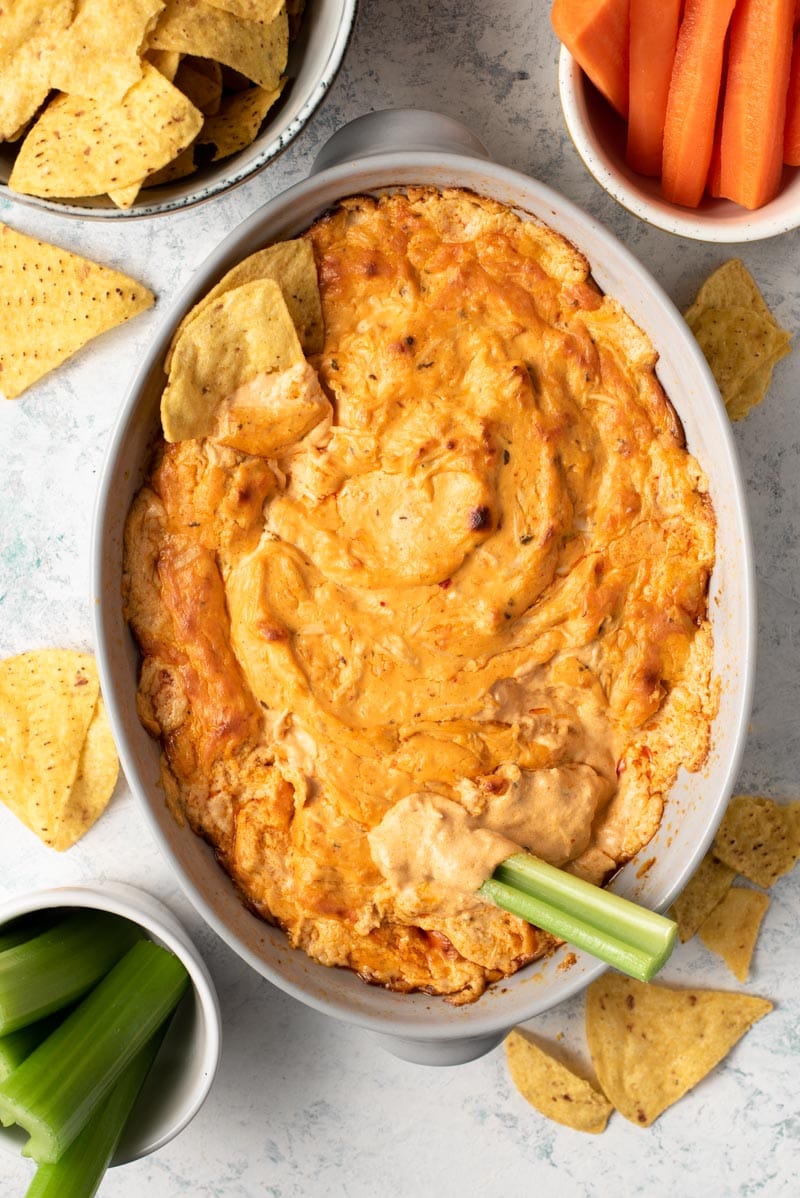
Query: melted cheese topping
[[468, 575]]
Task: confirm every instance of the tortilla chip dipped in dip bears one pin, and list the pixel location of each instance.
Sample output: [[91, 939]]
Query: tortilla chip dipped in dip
[[418, 583]]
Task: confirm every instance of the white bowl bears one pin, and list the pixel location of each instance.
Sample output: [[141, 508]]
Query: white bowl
[[184, 1068], [364, 157], [314, 60], [598, 133]]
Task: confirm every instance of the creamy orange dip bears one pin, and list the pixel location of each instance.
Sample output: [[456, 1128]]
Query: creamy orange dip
[[441, 600]]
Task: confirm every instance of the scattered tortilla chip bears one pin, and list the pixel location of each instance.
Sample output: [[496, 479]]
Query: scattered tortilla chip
[[792, 815], [47, 701], [553, 1089], [236, 125], [82, 147], [707, 887], [651, 1044], [244, 333], [99, 58], [731, 930], [29, 41], [51, 303], [291, 264], [730, 284], [755, 839], [739, 336], [256, 50], [201, 80]]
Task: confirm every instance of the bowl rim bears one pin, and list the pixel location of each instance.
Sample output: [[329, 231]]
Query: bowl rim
[[485, 1018], [283, 138], [726, 223], [140, 907]]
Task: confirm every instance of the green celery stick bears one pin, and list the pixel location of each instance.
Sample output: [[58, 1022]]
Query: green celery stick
[[617, 931], [78, 1173], [57, 1089], [18, 1045], [59, 965]]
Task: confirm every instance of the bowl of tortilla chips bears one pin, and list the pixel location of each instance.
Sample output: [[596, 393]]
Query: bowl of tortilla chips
[[165, 105], [380, 153]]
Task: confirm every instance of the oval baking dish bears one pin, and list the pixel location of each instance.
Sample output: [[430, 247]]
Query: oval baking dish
[[379, 152]]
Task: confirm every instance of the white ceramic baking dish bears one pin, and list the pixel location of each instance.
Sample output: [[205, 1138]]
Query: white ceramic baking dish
[[376, 152]]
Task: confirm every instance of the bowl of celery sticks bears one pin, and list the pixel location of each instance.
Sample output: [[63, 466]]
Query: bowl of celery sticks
[[109, 1032]]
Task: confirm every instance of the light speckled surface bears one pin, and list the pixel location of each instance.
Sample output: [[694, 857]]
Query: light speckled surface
[[303, 1106]]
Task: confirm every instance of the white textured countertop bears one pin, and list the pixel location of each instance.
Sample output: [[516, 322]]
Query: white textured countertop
[[302, 1105]]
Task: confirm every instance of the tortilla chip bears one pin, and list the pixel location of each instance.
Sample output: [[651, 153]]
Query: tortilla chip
[[651, 1044], [237, 124], [731, 284], [47, 701], [706, 888], [553, 1089], [257, 51], [201, 80], [791, 814], [731, 930], [165, 61], [244, 333], [291, 264], [84, 147], [251, 10], [739, 336], [755, 839], [99, 58], [29, 42], [124, 197], [51, 303], [179, 168], [272, 412]]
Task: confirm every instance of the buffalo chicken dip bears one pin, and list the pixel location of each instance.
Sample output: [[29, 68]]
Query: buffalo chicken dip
[[441, 594]]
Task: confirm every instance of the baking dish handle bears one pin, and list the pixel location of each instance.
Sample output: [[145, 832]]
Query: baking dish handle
[[393, 129]]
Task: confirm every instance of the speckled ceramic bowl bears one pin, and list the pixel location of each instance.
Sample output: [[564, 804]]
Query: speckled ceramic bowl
[[598, 134], [181, 1075], [314, 59], [375, 153]]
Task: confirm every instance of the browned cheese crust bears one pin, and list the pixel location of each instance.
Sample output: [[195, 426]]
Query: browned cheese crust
[[488, 573]]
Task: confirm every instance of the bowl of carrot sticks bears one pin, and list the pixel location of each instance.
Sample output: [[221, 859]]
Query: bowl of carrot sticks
[[109, 1031], [687, 113]]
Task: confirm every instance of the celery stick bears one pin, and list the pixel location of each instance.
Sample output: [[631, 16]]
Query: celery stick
[[56, 1090], [617, 931], [59, 965], [18, 1045], [78, 1173]]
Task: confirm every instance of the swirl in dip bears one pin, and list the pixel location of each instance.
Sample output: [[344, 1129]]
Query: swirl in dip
[[447, 601]]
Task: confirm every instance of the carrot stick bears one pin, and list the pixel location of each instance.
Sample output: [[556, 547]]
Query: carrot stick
[[692, 101], [754, 112], [791, 134], [596, 34], [653, 37]]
